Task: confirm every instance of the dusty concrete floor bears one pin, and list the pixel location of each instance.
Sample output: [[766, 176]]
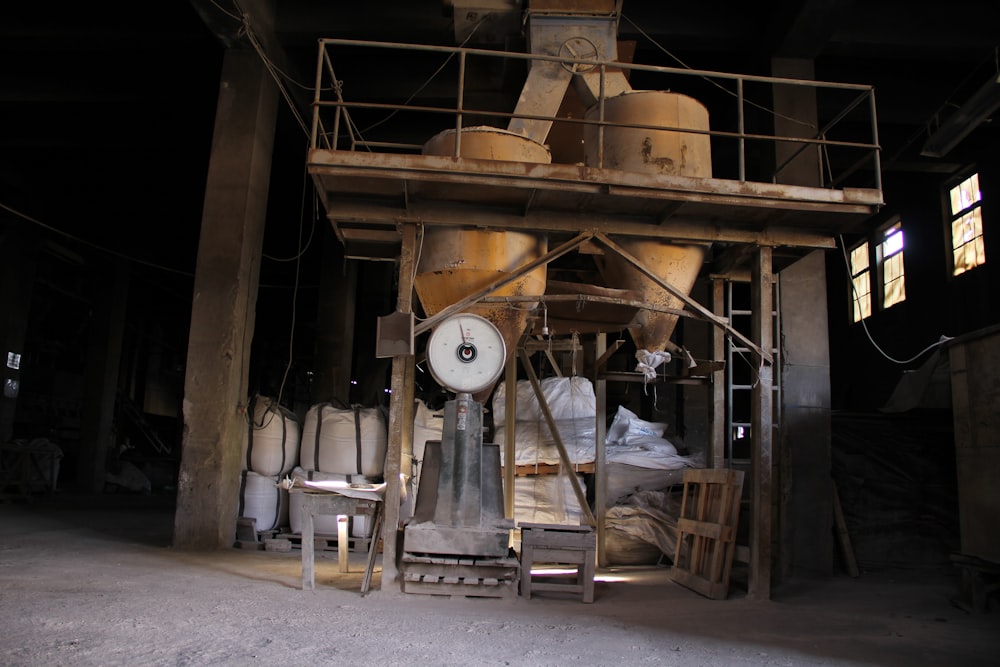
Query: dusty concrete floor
[[95, 583]]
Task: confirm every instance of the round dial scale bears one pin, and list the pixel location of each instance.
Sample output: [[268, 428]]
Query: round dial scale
[[466, 353]]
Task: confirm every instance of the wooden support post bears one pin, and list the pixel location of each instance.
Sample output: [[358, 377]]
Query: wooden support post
[[600, 433], [761, 324], [400, 418], [717, 444], [509, 445]]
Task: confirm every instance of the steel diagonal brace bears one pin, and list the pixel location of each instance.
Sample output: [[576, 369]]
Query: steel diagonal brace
[[558, 252], [581, 497], [708, 315]]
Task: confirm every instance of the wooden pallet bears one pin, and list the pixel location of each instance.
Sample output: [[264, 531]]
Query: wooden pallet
[[460, 576], [528, 469], [327, 542], [706, 531]]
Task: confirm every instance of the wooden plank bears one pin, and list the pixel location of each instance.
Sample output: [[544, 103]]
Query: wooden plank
[[531, 469], [712, 531], [560, 556], [843, 536], [504, 590]]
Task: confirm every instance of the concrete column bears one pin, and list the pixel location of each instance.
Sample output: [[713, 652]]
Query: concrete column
[[798, 103], [335, 324], [225, 297], [807, 508], [18, 244], [104, 352]]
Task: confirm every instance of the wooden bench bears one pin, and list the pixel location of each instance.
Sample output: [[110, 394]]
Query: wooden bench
[[559, 545]]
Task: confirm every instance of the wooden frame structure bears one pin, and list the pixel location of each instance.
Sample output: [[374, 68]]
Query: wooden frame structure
[[377, 201]]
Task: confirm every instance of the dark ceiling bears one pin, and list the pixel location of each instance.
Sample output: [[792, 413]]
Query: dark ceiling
[[108, 108]]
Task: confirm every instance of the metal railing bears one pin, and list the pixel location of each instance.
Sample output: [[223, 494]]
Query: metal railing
[[333, 126]]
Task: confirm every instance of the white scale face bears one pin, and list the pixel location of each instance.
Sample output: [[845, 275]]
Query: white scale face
[[466, 353]]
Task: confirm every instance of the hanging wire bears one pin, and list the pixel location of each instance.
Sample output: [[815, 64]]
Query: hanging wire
[[277, 74], [295, 291], [716, 83], [864, 324], [430, 78], [95, 246]]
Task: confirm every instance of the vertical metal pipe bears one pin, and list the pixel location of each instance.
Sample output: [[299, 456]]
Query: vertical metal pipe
[[762, 428], [509, 443], [877, 149], [741, 121], [600, 118], [600, 470], [717, 445], [460, 104], [316, 95]]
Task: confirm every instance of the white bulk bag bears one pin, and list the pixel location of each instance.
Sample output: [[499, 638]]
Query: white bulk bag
[[271, 443], [567, 398], [262, 498], [546, 499], [350, 441], [534, 444]]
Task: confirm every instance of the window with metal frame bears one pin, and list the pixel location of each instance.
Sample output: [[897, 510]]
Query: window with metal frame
[[966, 224], [861, 284], [890, 258]]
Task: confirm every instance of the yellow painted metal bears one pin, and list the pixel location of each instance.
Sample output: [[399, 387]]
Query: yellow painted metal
[[653, 151], [455, 262]]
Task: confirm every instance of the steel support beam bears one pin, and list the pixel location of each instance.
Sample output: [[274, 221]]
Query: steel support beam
[[761, 430]]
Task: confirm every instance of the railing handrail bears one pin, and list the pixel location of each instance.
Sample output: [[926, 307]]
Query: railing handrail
[[820, 140]]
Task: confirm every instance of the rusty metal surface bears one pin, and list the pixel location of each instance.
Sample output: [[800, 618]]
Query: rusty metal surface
[[372, 191]]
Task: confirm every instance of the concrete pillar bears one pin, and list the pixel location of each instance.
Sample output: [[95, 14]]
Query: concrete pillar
[[807, 508], [18, 244], [798, 103], [104, 352], [335, 324], [225, 297]]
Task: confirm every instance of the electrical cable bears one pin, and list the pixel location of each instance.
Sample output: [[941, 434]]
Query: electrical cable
[[716, 83], [295, 294], [90, 244], [276, 74], [854, 291], [430, 78]]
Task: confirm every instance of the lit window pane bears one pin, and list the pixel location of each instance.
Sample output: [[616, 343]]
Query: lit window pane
[[968, 250], [893, 285], [860, 283], [893, 243], [859, 258]]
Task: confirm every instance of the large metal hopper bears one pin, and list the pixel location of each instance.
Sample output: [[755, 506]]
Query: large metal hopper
[[660, 152], [456, 262]]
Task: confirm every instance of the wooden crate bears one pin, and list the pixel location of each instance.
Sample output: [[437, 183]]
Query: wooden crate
[[706, 531]]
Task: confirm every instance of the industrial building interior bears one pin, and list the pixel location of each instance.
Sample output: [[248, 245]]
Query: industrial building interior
[[748, 245]]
